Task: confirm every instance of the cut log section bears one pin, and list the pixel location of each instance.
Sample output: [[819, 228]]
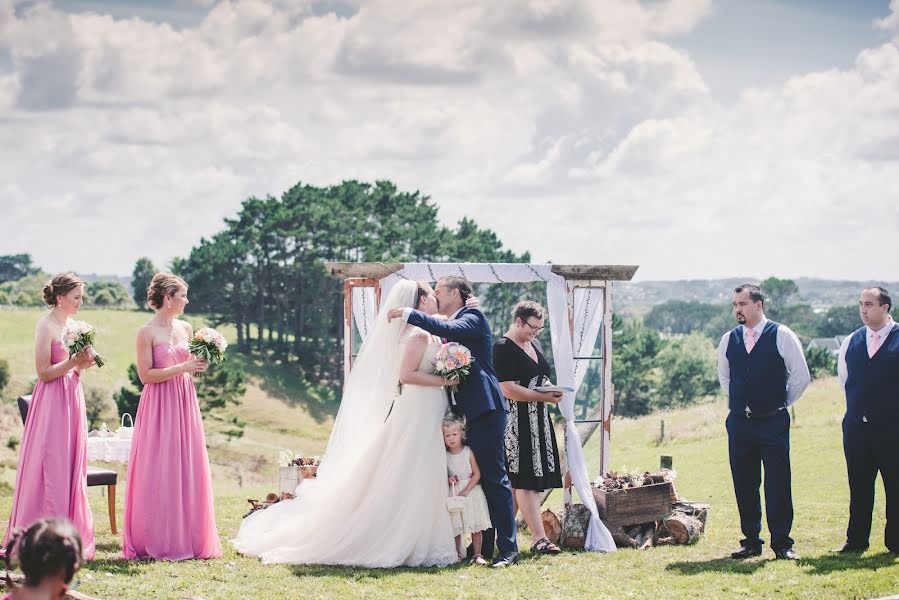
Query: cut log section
[[552, 525], [574, 526], [683, 528]]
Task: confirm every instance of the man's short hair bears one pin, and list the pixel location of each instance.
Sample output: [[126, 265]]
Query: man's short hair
[[883, 296], [454, 282], [755, 292]]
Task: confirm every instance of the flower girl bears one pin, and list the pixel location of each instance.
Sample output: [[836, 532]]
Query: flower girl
[[464, 475]]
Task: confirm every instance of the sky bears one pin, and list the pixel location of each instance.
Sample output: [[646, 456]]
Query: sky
[[695, 138]]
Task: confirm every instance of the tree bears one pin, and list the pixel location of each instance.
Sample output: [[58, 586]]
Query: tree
[[839, 320], [95, 401], [821, 362], [4, 374], [140, 280], [682, 316], [126, 399], [779, 293], [218, 387], [106, 293], [16, 266], [634, 350], [688, 368]]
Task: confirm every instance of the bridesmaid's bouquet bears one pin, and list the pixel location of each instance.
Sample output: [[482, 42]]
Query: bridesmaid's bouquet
[[453, 360], [78, 336], [209, 345]]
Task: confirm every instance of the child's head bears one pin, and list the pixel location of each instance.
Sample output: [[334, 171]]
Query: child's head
[[49, 553], [453, 431]]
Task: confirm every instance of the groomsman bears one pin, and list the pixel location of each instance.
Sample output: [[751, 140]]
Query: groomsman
[[868, 366], [762, 370]]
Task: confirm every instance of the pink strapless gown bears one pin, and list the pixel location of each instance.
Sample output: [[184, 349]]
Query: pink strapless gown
[[169, 513], [51, 480]]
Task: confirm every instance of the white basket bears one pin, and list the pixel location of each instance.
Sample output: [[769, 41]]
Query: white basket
[[456, 504], [124, 433]]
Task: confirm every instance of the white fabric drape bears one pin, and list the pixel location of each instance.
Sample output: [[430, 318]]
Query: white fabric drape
[[364, 310], [588, 311]]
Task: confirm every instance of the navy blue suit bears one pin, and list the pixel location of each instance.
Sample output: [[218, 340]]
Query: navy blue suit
[[758, 380], [870, 430], [481, 401]]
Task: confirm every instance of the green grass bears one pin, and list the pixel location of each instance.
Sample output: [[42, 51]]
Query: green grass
[[277, 416]]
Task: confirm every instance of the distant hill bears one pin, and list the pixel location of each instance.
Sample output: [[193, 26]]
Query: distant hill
[[91, 277], [636, 298]]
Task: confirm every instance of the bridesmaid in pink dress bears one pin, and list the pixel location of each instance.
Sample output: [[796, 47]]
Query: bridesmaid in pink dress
[[51, 479], [169, 512]]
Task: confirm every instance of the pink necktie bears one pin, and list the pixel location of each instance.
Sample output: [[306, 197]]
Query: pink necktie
[[874, 344], [750, 340]]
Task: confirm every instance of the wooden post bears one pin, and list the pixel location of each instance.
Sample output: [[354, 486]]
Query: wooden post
[[348, 285], [608, 390]]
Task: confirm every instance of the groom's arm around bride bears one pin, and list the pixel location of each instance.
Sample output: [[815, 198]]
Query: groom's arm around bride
[[480, 399]]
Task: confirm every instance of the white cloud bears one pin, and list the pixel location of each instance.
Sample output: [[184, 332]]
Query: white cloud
[[573, 128]]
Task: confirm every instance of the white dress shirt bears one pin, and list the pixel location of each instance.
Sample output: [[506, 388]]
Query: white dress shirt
[[883, 332], [790, 349]]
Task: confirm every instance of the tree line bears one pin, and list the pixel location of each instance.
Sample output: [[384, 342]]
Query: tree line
[[668, 358], [264, 270]]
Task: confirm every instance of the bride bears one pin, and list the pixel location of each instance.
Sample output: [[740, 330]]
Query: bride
[[379, 499]]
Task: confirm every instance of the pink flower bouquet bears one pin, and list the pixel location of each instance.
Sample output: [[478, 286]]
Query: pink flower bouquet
[[78, 336]]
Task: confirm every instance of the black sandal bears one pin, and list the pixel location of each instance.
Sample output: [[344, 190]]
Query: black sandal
[[544, 546]]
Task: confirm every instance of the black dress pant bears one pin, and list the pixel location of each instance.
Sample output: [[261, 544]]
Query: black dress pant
[[869, 448], [753, 443]]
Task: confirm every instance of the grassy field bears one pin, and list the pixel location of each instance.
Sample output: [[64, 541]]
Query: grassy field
[[694, 437]]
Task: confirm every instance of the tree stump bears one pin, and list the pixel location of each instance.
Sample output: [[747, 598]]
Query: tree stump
[[683, 528], [552, 525], [575, 525]]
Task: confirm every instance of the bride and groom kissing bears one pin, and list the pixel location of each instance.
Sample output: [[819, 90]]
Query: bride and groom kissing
[[379, 499]]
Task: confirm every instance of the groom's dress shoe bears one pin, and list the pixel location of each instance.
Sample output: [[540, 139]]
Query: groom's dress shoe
[[506, 559], [849, 548], [786, 554], [746, 552]]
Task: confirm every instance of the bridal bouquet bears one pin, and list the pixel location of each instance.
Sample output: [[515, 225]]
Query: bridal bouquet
[[453, 360], [209, 345], [78, 336]]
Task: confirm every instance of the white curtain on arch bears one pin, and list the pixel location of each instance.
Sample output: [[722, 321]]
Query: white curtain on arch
[[364, 310]]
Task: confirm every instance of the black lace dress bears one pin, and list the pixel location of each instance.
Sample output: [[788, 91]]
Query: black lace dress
[[532, 456]]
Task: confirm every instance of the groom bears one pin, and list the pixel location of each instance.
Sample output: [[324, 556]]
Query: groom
[[480, 399]]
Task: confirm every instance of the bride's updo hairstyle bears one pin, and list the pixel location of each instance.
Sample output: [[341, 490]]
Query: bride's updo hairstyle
[[60, 285], [162, 286], [424, 289]]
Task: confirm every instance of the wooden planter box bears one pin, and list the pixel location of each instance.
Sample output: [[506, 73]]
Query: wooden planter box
[[632, 506]]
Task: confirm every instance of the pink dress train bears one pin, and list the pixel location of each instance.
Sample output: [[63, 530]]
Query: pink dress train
[[169, 512], [51, 480]]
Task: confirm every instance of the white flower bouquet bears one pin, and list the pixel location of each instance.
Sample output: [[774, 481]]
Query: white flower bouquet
[[79, 336], [209, 345]]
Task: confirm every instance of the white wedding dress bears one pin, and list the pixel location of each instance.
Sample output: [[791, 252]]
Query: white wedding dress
[[380, 496]]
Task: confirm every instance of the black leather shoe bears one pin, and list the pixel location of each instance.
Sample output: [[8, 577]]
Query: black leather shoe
[[506, 559], [746, 552], [849, 548], [786, 554]]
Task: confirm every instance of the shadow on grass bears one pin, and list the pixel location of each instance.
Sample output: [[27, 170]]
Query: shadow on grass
[[717, 565], [116, 566], [847, 562], [358, 574], [110, 547], [285, 383]]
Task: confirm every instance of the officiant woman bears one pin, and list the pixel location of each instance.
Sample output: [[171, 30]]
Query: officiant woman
[[532, 456]]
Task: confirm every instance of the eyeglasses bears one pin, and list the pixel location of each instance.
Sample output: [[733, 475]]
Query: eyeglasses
[[534, 328]]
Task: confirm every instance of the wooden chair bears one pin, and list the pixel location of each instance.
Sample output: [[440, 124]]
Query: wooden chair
[[95, 475]]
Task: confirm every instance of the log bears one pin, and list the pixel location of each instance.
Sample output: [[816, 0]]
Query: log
[[698, 510], [575, 525], [552, 525], [683, 528]]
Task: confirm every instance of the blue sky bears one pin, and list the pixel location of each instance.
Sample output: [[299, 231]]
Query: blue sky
[[640, 132]]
